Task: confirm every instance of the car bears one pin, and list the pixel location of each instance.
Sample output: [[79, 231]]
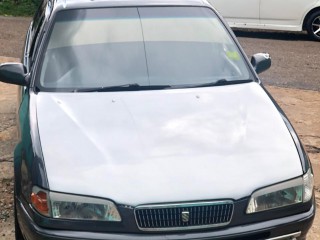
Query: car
[[297, 15], [144, 119]]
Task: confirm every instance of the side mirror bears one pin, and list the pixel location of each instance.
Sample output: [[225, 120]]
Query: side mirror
[[261, 62], [13, 73]]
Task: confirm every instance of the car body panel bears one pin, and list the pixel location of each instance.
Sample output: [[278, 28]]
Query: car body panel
[[237, 11], [148, 143], [289, 12], [70, 4], [273, 14]]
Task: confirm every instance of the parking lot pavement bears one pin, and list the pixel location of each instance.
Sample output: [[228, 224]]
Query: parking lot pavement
[[12, 35], [8, 140], [302, 108], [295, 58]]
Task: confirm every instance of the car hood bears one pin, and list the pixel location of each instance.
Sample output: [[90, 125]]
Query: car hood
[[158, 146]]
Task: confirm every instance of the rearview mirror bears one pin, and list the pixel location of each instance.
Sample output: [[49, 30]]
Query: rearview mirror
[[13, 73], [261, 62]]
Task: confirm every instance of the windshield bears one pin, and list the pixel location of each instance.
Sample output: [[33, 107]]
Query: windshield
[[144, 46]]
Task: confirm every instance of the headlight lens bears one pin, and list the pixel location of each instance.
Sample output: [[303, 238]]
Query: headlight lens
[[67, 206], [283, 194]]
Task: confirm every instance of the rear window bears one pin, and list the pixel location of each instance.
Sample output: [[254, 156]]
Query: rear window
[[147, 46]]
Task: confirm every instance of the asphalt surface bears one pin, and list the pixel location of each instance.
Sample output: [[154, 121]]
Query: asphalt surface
[[12, 35], [295, 58]]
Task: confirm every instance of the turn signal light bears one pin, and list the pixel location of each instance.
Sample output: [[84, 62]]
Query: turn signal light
[[40, 203]]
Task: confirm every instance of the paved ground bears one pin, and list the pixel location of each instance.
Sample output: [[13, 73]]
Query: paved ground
[[295, 65], [12, 35], [295, 58], [7, 142]]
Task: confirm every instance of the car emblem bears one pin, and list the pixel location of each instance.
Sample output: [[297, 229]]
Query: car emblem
[[185, 216]]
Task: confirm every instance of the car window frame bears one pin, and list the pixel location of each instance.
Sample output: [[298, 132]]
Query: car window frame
[[34, 83], [37, 29]]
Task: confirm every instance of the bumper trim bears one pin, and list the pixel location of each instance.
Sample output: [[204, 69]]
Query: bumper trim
[[292, 236], [275, 227]]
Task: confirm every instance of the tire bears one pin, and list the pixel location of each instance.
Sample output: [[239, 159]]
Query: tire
[[313, 25]]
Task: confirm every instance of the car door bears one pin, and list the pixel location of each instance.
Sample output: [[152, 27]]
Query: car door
[[239, 12], [284, 14]]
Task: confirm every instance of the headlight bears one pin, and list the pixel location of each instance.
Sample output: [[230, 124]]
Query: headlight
[[65, 206], [284, 194]]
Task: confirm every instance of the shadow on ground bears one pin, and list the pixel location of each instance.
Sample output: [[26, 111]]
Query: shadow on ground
[[275, 35]]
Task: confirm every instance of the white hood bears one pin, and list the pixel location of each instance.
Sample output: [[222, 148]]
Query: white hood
[[166, 145]]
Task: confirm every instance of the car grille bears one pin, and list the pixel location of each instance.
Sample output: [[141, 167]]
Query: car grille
[[184, 216]]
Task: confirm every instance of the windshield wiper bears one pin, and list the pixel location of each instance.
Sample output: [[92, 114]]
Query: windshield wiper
[[124, 87], [220, 82]]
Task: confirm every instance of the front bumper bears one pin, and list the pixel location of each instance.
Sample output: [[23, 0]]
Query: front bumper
[[292, 227]]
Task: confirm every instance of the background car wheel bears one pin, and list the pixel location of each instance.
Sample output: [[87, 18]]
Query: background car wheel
[[313, 25]]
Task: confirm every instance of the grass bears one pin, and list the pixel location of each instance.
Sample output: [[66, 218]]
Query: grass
[[22, 8]]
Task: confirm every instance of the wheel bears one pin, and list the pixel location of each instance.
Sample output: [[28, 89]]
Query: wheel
[[313, 25]]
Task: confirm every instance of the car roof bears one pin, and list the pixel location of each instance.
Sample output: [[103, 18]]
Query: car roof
[[72, 4]]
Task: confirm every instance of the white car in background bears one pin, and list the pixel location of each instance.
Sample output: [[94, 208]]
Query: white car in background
[[284, 15]]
